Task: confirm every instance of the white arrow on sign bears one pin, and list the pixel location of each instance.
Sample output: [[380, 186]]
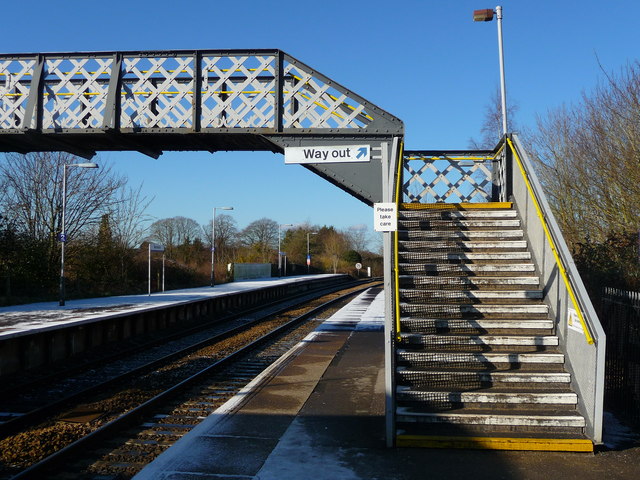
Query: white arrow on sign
[[333, 154]]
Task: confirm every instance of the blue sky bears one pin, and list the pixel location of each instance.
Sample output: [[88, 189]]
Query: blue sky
[[424, 61]]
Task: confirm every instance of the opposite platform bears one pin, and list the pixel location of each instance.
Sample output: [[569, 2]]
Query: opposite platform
[[17, 319], [37, 335]]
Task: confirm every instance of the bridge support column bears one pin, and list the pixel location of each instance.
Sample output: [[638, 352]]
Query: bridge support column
[[390, 155]]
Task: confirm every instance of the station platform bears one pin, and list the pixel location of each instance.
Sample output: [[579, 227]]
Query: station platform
[[38, 335], [318, 413], [28, 318]]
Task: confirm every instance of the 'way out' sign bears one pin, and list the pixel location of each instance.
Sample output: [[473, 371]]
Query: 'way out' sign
[[341, 154]]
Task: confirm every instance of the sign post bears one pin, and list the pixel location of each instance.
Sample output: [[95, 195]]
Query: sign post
[[155, 247], [358, 267]]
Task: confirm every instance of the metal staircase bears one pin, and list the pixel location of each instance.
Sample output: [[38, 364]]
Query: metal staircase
[[477, 359]]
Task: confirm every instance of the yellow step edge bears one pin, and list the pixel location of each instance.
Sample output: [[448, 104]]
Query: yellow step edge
[[496, 443], [454, 206]]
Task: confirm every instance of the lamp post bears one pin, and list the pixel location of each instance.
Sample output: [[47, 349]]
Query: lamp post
[[213, 241], [63, 233], [279, 252], [308, 253], [486, 15]]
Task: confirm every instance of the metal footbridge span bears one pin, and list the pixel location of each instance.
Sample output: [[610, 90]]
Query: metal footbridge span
[[209, 100]]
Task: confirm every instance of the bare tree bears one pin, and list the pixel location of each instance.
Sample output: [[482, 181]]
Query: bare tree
[[32, 186], [129, 220], [226, 236], [358, 237], [491, 130], [175, 231], [588, 155], [261, 236]]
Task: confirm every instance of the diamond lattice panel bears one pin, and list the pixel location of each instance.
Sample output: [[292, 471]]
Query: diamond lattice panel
[[15, 77], [443, 180], [238, 92], [75, 91], [310, 102], [157, 92]]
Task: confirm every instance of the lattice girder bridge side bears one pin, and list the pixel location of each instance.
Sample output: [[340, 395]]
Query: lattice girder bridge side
[[172, 93]]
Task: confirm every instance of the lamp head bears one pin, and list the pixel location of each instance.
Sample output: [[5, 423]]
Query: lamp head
[[485, 15]]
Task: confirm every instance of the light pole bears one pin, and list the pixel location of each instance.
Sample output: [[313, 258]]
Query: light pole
[[486, 15], [279, 252], [308, 253], [63, 233], [213, 240]]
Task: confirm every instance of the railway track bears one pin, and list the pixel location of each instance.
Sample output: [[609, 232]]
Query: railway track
[[25, 402], [155, 405]]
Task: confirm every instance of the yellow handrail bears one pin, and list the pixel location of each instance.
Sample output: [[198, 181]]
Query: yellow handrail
[[559, 262], [395, 236]]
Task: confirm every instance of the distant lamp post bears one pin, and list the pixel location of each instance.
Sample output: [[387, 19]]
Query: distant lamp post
[[279, 252], [308, 252], [213, 241], [486, 15], [63, 234]]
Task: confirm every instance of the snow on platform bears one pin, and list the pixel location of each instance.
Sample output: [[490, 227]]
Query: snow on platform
[[17, 319]]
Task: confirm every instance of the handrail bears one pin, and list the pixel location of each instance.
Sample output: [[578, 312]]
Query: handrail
[[395, 241], [561, 267]]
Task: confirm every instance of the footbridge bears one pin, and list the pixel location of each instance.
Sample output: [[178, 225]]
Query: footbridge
[[203, 100], [491, 340]]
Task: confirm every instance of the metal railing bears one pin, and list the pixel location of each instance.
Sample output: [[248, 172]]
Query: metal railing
[[620, 311]]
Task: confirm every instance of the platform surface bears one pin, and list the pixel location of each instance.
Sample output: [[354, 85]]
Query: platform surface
[[318, 414], [17, 319]]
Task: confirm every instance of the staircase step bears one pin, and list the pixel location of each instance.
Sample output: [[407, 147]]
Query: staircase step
[[462, 379], [426, 235], [428, 359], [460, 325], [458, 340], [457, 225], [489, 418], [446, 296], [454, 283], [465, 268], [464, 245], [446, 214], [443, 398], [429, 257], [509, 360], [453, 310]]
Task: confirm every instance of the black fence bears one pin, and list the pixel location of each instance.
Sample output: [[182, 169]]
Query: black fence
[[620, 317]]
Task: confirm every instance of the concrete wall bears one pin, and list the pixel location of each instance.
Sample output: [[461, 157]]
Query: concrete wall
[[585, 361]]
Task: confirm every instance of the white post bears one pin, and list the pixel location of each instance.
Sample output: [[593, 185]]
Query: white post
[[163, 271], [503, 88], [149, 276], [63, 234], [213, 248]]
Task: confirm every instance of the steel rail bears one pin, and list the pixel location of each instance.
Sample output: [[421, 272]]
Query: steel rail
[[29, 418]]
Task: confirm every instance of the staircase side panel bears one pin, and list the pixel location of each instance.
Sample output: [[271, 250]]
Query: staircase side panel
[[585, 361]]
